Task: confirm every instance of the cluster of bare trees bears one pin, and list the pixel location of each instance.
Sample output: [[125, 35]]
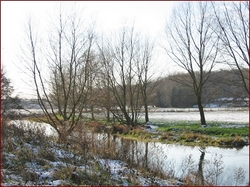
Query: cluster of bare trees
[[74, 68], [125, 67]]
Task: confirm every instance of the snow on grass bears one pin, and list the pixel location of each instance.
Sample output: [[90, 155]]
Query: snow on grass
[[120, 170], [49, 163], [211, 116]]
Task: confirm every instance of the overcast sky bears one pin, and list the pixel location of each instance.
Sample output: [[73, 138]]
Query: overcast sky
[[149, 16]]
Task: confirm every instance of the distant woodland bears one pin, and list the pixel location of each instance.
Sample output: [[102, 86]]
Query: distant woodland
[[224, 86]]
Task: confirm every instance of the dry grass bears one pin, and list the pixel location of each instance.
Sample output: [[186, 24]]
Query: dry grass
[[81, 149], [121, 129]]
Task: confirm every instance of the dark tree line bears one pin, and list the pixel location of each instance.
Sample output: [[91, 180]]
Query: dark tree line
[[222, 84]]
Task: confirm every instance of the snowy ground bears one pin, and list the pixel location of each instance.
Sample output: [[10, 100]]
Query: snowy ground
[[213, 116], [118, 172], [24, 165], [237, 115]]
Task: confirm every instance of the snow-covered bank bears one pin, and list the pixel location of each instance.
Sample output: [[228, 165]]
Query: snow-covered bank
[[237, 115], [30, 160], [212, 116], [197, 110], [51, 163], [39, 111]]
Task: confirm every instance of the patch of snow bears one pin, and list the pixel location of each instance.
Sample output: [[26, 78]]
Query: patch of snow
[[58, 164], [57, 182], [63, 154], [119, 170], [213, 116], [46, 174]]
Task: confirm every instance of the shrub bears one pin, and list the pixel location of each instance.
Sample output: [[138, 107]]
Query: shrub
[[238, 141], [25, 154], [41, 161], [63, 174], [96, 126], [121, 129], [29, 175], [137, 132], [9, 145], [190, 136], [47, 154]]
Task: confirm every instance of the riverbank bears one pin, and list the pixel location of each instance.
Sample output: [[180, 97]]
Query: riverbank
[[31, 156], [91, 156], [192, 134]]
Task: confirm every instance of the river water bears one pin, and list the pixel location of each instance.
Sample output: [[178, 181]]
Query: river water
[[219, 166]]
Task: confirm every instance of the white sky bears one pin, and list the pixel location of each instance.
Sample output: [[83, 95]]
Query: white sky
[[149, 16]]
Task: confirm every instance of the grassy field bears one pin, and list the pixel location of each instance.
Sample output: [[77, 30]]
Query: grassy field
[[222, 134], [193, 134], [213, 129]]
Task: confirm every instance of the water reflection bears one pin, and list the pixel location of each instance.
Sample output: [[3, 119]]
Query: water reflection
[[215, 165]]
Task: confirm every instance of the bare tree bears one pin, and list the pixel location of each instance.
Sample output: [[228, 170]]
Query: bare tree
[[123, 77], [61, 72], [91, 83], [232, 27], [125, 70], [193, 46], [93, 68], [106, 100], [146, 83]]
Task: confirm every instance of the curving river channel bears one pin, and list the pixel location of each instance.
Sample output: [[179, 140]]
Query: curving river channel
[[221, 166]]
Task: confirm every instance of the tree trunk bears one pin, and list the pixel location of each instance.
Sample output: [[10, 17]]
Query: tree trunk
[[92, 112], [202, 115], [108, 115], [64, 131], [146, 113], [63, 136]]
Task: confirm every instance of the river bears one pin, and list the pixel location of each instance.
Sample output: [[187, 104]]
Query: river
[[220, 165]]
